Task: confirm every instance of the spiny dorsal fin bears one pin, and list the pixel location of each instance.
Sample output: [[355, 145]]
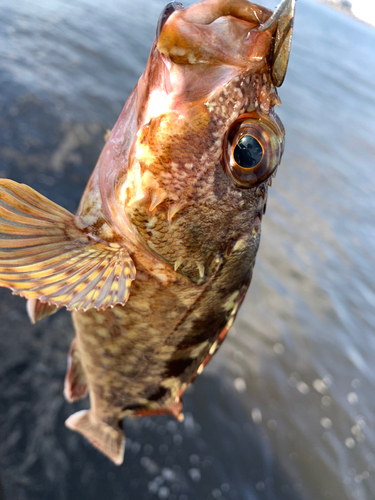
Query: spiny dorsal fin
[[45, 255]]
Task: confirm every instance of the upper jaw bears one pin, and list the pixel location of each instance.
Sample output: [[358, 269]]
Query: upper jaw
[[229, 32]]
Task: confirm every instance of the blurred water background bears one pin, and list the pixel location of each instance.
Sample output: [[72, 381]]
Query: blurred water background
[[286, 410]]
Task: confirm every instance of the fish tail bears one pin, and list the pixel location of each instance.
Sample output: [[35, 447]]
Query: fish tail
[[107, 439]]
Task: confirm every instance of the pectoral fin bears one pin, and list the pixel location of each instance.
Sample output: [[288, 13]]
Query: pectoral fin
[[45, 255]]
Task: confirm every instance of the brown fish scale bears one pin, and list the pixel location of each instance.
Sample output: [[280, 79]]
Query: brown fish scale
[[154, 357], [199, 232]]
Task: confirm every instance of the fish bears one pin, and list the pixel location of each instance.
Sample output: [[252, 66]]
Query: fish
[[158, 258]]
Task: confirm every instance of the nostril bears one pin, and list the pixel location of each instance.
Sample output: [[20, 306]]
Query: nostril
[[166, 12]]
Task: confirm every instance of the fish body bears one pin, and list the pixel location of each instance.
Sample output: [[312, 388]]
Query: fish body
[[159, 256]]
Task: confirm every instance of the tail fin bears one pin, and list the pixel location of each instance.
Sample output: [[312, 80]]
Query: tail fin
[[107, 439]]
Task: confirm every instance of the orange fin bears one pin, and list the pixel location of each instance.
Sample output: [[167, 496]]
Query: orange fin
[[104, 437], [38, 310], [45, 255], [75, 386], [175, 410]]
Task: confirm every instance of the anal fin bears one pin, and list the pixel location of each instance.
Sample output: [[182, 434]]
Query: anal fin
[[175, 410], [107, 439], [75, 386], [46, 254]]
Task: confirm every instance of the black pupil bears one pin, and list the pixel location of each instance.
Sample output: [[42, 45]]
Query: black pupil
[[248, 152]]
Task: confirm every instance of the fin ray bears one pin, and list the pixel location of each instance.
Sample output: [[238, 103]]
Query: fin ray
[[55, 261]]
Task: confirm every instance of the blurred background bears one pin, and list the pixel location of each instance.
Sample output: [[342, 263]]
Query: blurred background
[[286, 409]]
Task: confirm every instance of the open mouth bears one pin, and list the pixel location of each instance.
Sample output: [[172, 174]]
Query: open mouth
[[230, 32]]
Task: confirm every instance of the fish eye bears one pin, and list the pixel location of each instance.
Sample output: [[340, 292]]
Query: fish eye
[[166, 12], [248, 151], [252, 150]]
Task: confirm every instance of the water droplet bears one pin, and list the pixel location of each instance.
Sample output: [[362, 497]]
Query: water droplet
[[171, 426], [135, 447], [303, 388], [327, 379], [352, 398], [349, 442], [355, 429], [194, 459], [163, 492], [153, 487], [168, 474], [260, 486], [356, 384], [256, 415], [360, 421], [240, 384], [189, 422], [177, 439], [326, 401], [195, 474], [326, 422], [149, 465], [320, 386], [272, 424]]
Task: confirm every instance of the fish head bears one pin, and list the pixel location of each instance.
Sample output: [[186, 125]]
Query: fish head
[[204, 138]]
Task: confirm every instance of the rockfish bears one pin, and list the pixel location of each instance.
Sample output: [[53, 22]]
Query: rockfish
[[158, 259]]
